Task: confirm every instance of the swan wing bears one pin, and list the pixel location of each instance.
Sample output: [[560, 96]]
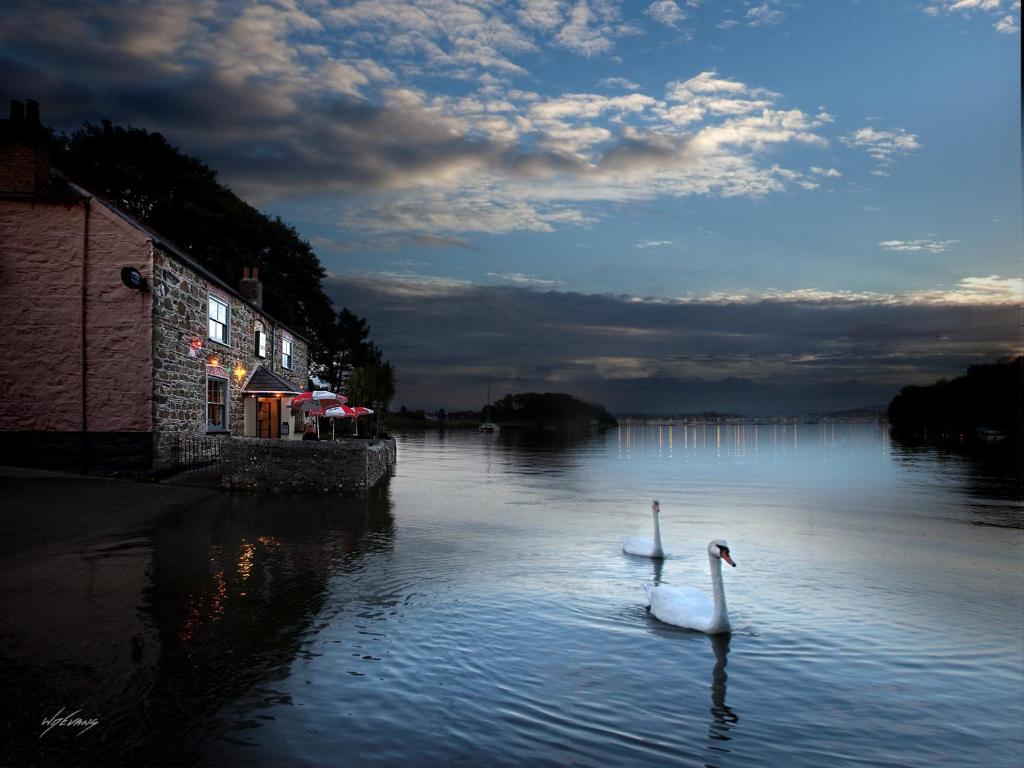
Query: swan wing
[[638, 545], [682, 606]]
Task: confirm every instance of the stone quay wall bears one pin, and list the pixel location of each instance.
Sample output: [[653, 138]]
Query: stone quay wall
[[305, 466]]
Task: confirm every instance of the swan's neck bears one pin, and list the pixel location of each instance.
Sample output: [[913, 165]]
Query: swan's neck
[[658, 551], [720, 615]]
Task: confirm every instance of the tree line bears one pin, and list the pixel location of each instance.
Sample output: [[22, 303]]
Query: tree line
[[987, 396], [180, 197], [549, 406]]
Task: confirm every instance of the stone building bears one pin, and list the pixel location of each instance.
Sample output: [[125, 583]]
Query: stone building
[[119, 348]]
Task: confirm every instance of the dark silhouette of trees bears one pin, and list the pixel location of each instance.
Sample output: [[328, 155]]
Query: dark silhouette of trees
[[988, 396], [355, 366], [550, 406]]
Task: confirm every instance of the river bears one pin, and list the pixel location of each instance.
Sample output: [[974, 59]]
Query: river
[[478, 610]]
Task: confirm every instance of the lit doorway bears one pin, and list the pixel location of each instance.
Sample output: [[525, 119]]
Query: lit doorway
[[268, 416]]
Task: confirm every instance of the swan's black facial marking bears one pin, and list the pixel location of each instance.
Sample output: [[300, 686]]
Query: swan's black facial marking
[[724, 554]]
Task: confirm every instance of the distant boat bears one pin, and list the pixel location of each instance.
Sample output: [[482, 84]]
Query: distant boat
[[489, 427]]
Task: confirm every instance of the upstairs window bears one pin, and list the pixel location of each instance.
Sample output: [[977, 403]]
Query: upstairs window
[[286, 353], [261, 341], [218, 320]]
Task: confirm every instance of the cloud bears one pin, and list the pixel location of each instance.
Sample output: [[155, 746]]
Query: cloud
[[764, 15], [268, 95], [618, 82], [1007, 23], [542, 14], [593, 26], [883, 146], [666, 12], [932, 246], [437, 241], [829, 173], [518, 278], [792, 351], [652, 243]]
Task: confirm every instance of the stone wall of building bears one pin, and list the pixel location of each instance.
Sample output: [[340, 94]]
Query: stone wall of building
[[328, 466], [180, 315]]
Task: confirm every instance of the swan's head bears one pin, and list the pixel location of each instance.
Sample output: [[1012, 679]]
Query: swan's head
[[719, 548], [655, 507]]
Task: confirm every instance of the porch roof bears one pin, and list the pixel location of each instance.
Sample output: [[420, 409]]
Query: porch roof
[[265, 382]]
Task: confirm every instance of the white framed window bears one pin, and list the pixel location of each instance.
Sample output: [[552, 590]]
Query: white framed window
[[218, 320], [261, 341], [216, 404], [286, 353]]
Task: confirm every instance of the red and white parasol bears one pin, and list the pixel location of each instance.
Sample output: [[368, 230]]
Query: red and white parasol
[[345, 412]]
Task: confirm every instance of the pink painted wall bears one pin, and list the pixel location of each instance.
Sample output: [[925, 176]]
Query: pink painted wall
[[41, 251]]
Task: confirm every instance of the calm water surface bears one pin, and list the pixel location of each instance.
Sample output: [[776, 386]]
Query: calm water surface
[[479, 611]]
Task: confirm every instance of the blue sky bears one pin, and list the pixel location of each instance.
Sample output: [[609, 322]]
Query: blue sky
[[852, 157]]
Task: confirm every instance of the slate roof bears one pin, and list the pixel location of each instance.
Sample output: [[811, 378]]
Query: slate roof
[[265, 382]]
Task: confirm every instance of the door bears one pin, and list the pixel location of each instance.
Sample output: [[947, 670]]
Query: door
[[268, 417]]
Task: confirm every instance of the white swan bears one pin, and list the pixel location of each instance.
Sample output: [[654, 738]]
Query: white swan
[[641, 545], [691, 608]]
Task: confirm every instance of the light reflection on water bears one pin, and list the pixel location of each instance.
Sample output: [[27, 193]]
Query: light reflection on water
[[479, 611]]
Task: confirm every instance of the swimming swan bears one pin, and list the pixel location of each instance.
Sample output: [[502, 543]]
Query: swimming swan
[[691, 608], [641, 545]]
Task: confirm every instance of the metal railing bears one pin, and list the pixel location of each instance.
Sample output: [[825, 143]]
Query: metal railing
[[196, 452]]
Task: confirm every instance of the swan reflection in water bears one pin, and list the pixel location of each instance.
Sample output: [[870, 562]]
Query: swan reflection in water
[[659, 564], [723, 718]]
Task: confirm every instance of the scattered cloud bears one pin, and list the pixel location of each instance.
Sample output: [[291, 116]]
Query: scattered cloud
[[932, 246], [829, 173], [883, 146], [666, 12], [591, 28], [440, 241], [619, 82], [765, 15], [518, 278], [652, 243], [1007, 23]]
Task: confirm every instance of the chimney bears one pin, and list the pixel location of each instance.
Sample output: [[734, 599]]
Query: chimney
[[32, 113], [250, 286], [24, 162]]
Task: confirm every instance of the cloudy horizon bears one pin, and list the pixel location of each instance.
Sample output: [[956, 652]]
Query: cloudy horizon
[[686, 205]]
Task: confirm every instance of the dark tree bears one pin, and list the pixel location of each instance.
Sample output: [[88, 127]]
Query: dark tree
[[987, 396], [552, 406], [355, 366]]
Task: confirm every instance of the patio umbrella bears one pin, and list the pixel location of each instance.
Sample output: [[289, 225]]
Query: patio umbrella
[[315, 403], [345, 412]]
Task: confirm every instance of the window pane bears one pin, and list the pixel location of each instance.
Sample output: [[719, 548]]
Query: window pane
[[218, 319], [216, 404]]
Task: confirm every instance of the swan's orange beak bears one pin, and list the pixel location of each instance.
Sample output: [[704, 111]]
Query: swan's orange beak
[[729, 560]]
